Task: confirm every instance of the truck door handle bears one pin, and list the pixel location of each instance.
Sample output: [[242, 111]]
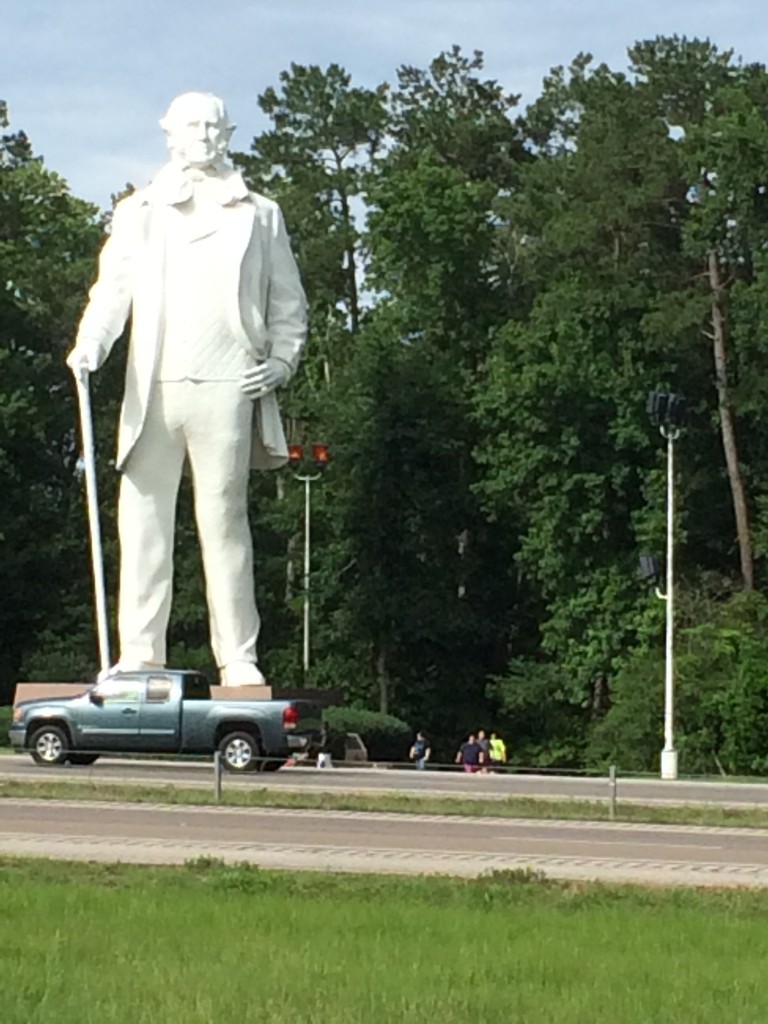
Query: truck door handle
[[130, 711]]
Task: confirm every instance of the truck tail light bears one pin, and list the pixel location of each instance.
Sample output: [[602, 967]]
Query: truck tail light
[[290, 717]]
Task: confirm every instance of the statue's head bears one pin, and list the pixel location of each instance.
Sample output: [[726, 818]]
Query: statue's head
[[198, 129]]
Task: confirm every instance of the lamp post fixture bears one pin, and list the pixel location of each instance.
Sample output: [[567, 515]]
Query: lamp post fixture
[[667, 412], [300, 458]]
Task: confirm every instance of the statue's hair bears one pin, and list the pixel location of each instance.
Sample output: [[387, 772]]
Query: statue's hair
[[167, 121]]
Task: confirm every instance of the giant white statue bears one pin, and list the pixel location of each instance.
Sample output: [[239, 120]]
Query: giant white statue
[[204, 268]]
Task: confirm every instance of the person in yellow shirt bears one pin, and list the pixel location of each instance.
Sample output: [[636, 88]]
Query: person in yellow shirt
[[498, 751]]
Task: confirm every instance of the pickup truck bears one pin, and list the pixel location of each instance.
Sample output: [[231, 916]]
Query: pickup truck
[[165, 712]]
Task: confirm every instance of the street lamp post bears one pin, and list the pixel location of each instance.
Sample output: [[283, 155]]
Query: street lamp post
[[667, 411], [298, 459]]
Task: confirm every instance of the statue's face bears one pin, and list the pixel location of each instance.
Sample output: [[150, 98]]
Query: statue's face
[[196, 134]]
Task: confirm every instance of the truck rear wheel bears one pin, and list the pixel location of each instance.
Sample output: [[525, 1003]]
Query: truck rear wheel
[[49, 746], [240, 752]]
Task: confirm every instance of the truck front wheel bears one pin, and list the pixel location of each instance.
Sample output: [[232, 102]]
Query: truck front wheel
[[82, 758], [49, 745], [240, 752]]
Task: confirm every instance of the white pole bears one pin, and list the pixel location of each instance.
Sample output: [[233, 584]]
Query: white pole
[[669, 754], [307, 485], [97, 559]]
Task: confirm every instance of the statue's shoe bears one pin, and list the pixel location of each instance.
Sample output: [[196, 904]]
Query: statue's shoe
[[241, 673]]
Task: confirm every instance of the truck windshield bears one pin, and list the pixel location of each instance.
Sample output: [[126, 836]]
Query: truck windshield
[[196, 687]]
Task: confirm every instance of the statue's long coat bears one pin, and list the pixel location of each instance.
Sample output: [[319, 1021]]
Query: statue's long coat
[[265, 302]]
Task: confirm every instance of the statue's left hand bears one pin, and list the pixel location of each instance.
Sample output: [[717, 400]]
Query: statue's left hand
[[266, 377]]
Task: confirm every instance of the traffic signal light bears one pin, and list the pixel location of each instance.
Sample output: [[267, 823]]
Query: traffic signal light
[[299, 455], [321, 456]]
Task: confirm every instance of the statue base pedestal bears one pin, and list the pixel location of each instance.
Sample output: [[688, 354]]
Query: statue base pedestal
[[326, 698], [37, 691], [241, 693], [43, 691]]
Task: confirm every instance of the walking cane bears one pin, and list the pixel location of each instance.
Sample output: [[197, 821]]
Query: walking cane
[[97, 555]]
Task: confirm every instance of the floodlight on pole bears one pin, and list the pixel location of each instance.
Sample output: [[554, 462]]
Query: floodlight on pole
[[667, 411]]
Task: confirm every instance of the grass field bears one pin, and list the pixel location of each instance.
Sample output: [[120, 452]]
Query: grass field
[[96, 944]]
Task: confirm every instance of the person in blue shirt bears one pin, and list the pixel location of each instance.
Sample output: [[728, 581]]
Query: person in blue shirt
[[420, 751]]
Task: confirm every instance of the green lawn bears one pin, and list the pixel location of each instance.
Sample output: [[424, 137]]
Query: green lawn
[[95, 944]]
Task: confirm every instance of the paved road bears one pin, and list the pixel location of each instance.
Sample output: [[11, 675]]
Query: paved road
[[402, 844], [433, 783]]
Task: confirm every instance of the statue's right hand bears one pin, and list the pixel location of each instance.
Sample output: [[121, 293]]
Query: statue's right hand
[[82, 360]]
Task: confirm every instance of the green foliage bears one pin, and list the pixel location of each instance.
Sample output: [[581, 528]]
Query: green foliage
[[48, 240], [386, 737], [315, 161], [539, 714], [5, 724], [721, 694], [605, 228], [632, 732]]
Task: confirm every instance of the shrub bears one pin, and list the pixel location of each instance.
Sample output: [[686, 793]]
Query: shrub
[[5, 722], [386, 737], [721, 697]]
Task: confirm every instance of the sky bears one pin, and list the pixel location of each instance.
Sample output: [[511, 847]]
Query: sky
[[87, 80]]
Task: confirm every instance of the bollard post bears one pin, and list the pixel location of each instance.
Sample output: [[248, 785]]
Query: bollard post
[[612, 785], [217, 776]]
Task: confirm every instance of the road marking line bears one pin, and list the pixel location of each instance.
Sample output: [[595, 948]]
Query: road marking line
[[608, 842]]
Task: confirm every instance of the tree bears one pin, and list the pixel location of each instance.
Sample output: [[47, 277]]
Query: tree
[[618, 263], [432, 224], [314, 161], [392, 574], [435, 618], [718, 107], [48, 240], [564, 449]]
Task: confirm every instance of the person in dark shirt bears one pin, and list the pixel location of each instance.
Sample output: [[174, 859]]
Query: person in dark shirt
[[469, 755], [485, 747]]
